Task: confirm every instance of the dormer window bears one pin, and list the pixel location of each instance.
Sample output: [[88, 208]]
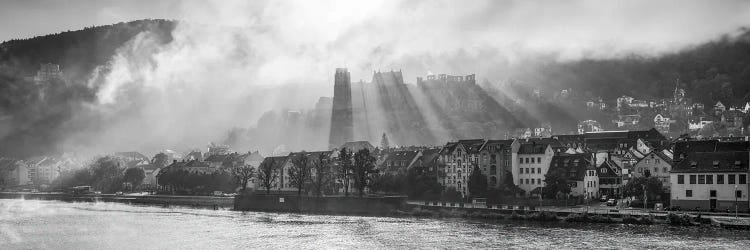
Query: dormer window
[[693, 164], [716, 164], [737, 164]]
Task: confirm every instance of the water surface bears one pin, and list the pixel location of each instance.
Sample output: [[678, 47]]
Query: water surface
[[36, 224]]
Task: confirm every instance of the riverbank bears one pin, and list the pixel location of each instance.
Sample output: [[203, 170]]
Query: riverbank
[[210, 202], [340, 205], [671, 218]]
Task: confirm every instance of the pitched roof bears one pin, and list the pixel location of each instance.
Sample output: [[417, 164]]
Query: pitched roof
[[277, 161], [499, 144], [574, 166], [611, 167], [659, 154], [532, 148], [216, 158], [355, 146], [472, 146], [132, 155], [734, 161], [407, 155], [684, 148], [448, 148]]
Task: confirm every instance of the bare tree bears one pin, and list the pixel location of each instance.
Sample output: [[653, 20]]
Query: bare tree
[[364, 165], [267, 174], [300, 171], [243, 174], [344, 168], [321, 166]]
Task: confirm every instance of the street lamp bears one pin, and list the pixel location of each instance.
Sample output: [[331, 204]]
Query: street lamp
[[735, 200], [645, 198], [541, 191]]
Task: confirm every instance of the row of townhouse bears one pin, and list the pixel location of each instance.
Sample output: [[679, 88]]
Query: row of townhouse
[[35, 171], [598, 163]]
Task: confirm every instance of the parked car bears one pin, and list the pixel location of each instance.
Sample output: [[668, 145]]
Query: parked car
[[603, 199], [611, 202], [118, 193]]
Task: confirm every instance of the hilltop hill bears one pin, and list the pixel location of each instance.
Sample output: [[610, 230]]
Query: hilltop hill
[[77, 51]]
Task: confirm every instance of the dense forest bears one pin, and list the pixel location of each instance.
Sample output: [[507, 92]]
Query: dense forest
[[34, 117], [715, 71]]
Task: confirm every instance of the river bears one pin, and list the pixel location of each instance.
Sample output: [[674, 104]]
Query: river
[[36, 224]]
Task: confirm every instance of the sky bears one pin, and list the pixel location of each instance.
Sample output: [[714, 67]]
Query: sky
[[231, 61]]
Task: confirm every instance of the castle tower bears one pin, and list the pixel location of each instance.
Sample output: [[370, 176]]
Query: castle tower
[[342, 124]]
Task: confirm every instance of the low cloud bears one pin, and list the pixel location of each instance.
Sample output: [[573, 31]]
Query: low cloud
[[231, 61]]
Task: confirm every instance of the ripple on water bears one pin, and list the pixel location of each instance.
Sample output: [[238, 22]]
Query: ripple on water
[[61, 225]]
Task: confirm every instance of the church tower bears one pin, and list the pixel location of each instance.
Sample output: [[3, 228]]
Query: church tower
[[342, 124]]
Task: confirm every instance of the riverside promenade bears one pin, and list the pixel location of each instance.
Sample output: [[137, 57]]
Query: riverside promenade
[[720, 219]]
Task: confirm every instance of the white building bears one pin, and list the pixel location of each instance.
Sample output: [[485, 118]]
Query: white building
[[530, 160], [657, 165], [711, 180]]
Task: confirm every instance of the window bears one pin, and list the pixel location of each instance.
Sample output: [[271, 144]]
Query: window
[[539, 181], [743, 179], [738, 193], [532, 159], [527, 160], [731, 179], [710, 179], [539, 159], [701, 179], [692, 179], [648, 161], [527, 181], [656, 170], [539, 170], [688, 193], [532, 170], [656, 161], [666, 170], [640, 170], [532, 181], [720, 179], [713, 193], [680, 179]]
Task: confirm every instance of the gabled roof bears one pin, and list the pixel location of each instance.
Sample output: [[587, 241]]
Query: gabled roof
[[276, 161], [355, 146], [573, 166], [448, 148], [132, 155], [532, 148], [407, 156], [611, 167], [216, 158], [430, 155], [713, 162], [472, 146], [666, 159], [499, 144], [687, 147]]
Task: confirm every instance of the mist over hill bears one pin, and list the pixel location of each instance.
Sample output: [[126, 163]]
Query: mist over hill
[[85, 109]]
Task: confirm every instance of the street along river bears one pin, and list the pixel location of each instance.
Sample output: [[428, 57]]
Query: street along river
[[34, 224]]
